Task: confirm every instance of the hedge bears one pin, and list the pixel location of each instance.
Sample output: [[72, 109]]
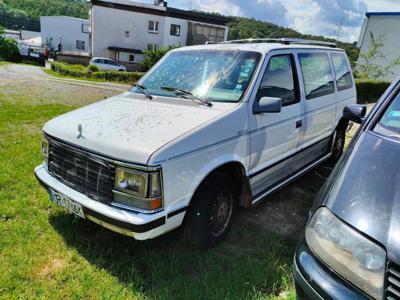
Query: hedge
[[369, 91], [84, 72]]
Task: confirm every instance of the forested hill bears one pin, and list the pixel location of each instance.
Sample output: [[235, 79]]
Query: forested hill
[[243, 28], [25, 11], [33, 9]]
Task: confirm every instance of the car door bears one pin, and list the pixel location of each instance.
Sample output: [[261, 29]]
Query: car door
[[274, 137], [319, 93]]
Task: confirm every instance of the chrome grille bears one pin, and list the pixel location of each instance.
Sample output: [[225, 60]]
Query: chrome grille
[[393, 282], [81, 171]]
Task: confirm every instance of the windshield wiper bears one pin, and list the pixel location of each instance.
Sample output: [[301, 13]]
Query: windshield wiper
[[186, 95], [143, 90]]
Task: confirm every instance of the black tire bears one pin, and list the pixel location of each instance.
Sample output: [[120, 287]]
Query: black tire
[[210, 213], [338, 141]]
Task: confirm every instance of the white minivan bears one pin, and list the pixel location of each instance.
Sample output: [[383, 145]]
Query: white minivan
[[207, 129], [107, 64]]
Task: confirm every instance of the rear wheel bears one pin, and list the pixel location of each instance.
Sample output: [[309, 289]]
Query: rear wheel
[[210, 214]]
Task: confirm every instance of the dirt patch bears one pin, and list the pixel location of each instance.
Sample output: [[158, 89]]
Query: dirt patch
[[52, 267], [286, 211]]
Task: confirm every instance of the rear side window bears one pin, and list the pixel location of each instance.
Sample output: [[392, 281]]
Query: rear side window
[[317, 74], [279, 80], [342, 71]]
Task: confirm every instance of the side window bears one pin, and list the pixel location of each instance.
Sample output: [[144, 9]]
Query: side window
[[317, 74], [342, 71], [279, 80]]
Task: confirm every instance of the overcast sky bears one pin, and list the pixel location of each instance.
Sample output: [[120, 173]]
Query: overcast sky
[[340, 19]]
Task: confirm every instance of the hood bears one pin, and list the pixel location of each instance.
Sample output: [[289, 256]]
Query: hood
[[129, 127], [366, 192]]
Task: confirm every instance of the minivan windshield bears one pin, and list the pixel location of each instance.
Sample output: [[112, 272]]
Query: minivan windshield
[[212, 75], [389, 124]]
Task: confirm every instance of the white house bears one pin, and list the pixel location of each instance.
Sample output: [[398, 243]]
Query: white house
[[65, 33], [385, 24], [123, 29]]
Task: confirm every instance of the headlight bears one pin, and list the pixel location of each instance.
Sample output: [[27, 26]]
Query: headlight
[[45, 150], [349, 253], [137, 189]]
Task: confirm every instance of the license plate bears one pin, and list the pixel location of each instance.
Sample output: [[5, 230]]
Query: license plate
[[67, 203]]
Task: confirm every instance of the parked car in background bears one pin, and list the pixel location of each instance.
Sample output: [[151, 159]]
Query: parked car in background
[[107, 64], [208, 128], [351, 248]]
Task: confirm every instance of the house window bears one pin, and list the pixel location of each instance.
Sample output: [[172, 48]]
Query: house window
[[127, 33], [80, 45], [153, 26], [175, 30], [131, 57], [151, 47]]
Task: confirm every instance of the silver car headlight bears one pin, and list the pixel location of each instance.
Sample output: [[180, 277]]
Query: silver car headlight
[[138, 189], [349, 253], [45, 150]]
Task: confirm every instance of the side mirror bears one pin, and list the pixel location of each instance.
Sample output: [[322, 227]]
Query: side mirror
[[355, 113], [268, 105]]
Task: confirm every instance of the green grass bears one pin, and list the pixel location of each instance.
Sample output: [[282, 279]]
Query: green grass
[[2, 63], [47, 253]]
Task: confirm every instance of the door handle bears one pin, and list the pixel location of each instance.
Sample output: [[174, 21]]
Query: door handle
[[299, 124]]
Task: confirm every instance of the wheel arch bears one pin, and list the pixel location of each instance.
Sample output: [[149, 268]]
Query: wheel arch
[[237, 171]]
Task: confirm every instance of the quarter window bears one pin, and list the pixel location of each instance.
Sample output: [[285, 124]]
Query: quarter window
[[153, 26], [175, 30], [342, 71], [279, 80], [317, 74]]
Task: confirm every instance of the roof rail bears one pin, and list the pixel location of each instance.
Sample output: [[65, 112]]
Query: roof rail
[[285, 41]]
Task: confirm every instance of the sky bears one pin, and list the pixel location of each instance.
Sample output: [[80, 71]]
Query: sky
[[340, 19]]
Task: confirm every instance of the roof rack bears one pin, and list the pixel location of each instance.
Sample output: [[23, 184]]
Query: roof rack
[[285, 41]]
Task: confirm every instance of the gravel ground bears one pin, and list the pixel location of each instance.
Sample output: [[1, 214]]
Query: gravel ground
[[46, 89]]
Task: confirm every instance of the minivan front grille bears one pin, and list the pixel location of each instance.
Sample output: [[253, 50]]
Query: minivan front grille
[[81, 171], [393, 282]]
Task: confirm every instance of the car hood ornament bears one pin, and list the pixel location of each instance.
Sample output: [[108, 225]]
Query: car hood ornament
[[80, 131]]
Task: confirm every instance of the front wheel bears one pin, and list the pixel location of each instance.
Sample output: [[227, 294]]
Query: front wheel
[[338, 140], [210, 214]]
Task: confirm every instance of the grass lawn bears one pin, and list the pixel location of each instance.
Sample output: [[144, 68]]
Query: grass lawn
[[47, 253]]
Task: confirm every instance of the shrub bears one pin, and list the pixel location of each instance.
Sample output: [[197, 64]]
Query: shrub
[[83, 72], [93, 68], [8, 48], [369, 91], [151, 57]]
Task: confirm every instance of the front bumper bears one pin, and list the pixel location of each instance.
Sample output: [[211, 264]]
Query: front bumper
[[138, 225], [315, 281]]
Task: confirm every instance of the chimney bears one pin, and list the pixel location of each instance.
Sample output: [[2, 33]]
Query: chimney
[[160, 3]]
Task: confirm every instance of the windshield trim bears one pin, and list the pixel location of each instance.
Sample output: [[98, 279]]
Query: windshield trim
[[258, 63]]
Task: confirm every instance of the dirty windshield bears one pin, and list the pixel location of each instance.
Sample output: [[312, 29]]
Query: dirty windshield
[[389, 124], [207, 74]]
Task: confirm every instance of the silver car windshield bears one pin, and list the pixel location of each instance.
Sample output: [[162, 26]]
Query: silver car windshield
[[389, 124], [211, 75]]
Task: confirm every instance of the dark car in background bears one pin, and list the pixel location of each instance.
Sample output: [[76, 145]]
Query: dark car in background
[[351, 247]]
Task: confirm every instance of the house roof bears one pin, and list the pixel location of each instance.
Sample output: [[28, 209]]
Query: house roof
[[388, 13], [189, 15]]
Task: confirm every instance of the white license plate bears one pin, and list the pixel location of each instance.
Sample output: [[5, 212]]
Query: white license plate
[[67, 203]]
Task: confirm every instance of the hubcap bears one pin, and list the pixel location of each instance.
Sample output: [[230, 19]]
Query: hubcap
[[338, 145], [221, 213]]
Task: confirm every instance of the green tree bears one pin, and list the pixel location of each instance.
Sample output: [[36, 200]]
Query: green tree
[[369, 64], [151, 57], [8, 47]]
